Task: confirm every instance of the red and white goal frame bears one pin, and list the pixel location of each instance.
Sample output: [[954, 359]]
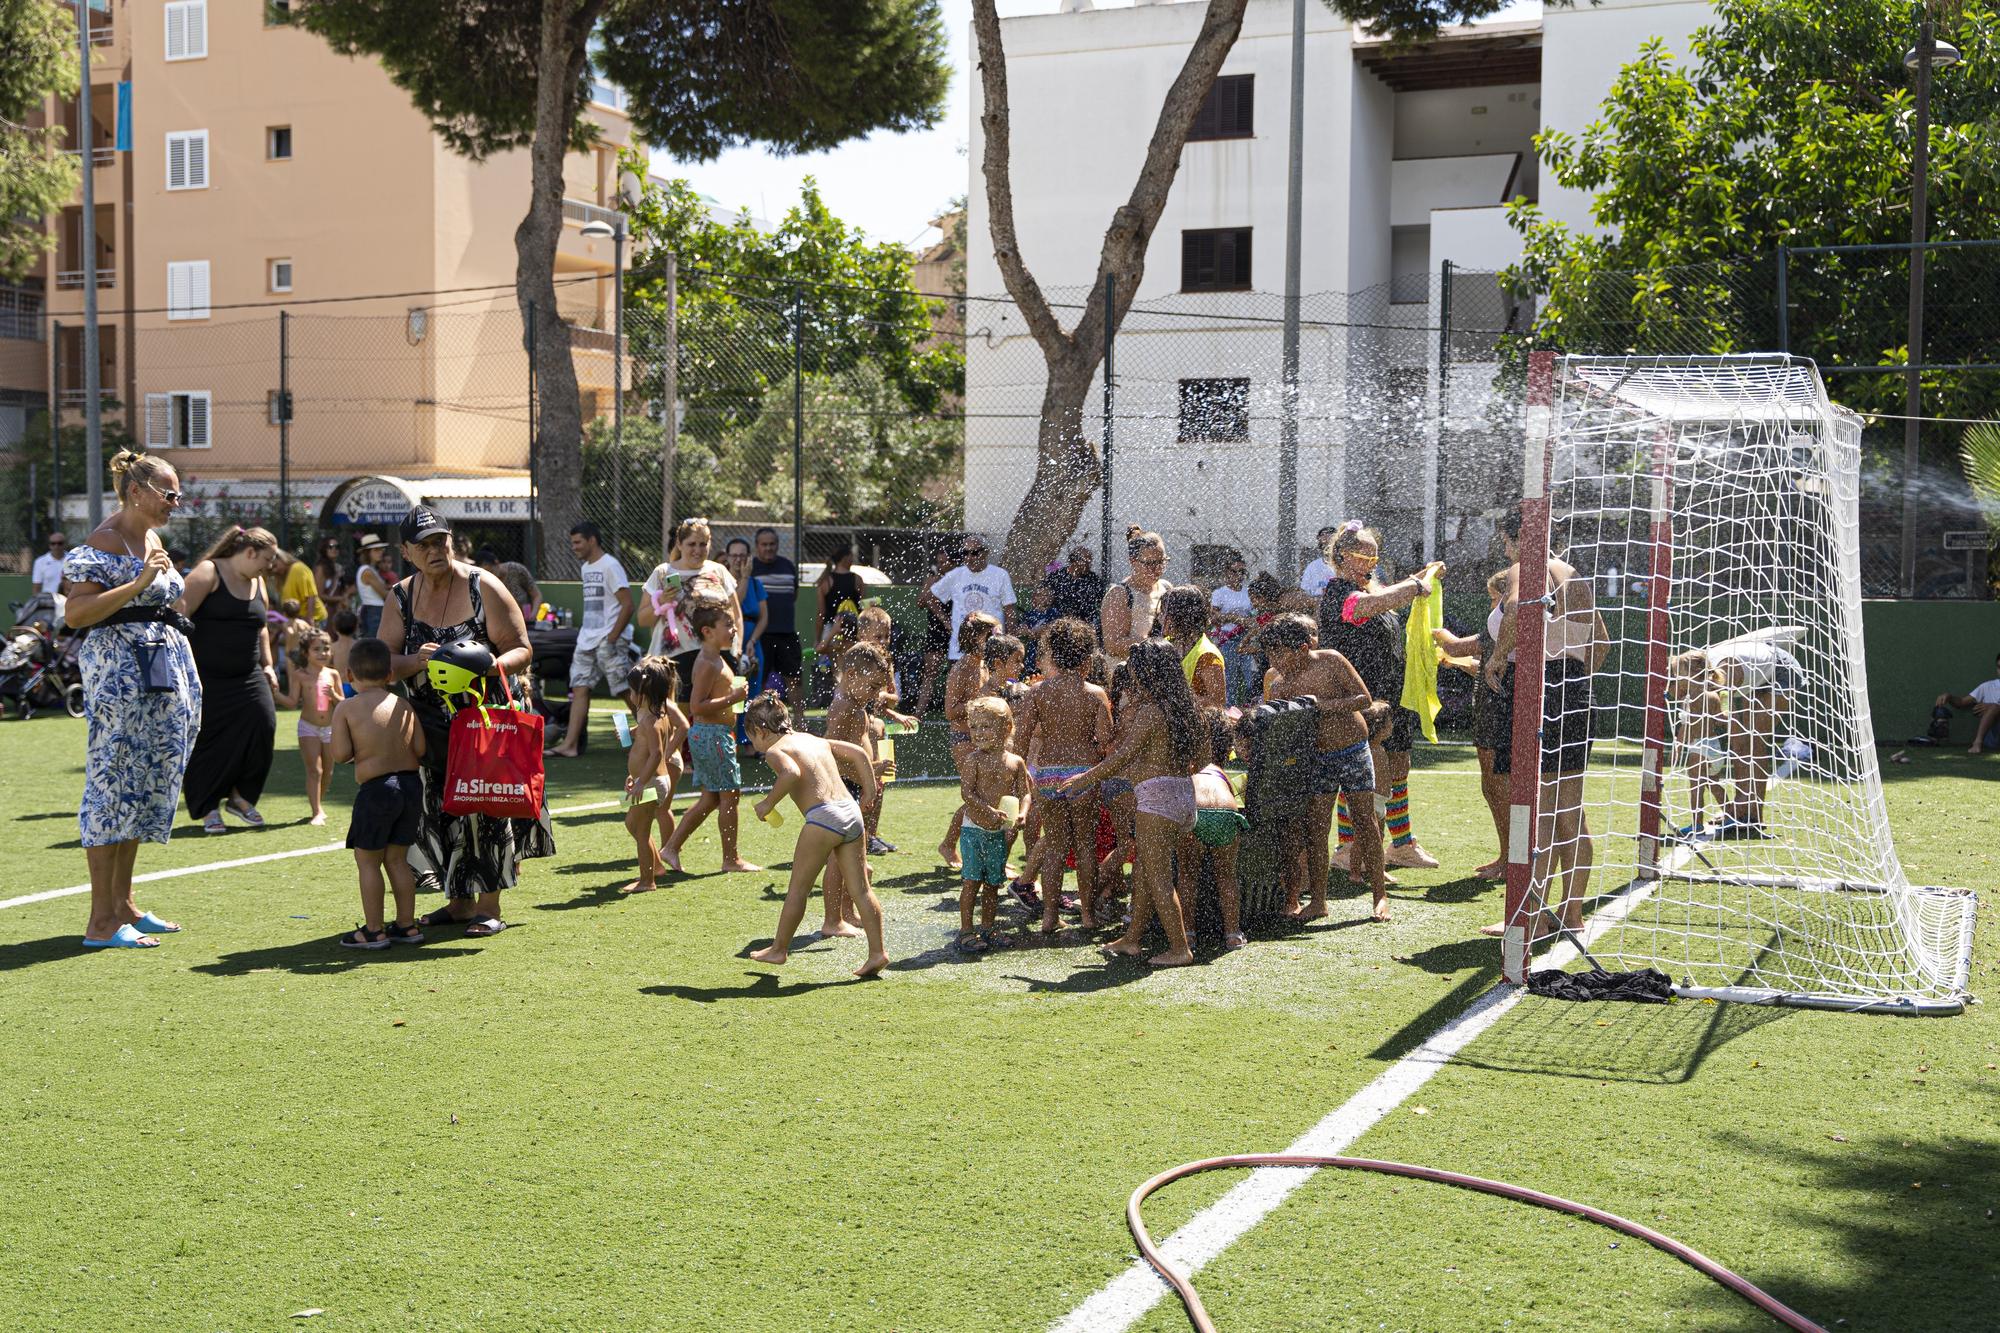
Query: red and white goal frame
[[1723, 493]]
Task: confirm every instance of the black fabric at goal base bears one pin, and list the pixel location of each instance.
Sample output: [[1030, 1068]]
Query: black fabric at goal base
[[1646, 986]]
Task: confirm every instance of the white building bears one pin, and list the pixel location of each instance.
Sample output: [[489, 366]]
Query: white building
[[1409, 158]]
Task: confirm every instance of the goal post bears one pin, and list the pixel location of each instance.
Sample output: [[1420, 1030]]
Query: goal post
[[1694, 777]]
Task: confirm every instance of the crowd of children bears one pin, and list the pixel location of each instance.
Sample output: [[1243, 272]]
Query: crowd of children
[[1067, 761]]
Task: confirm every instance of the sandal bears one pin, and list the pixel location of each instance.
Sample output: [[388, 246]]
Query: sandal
[[970, 942], [125, 937], [441, 917], [1234, 940], [1026, 894], [409, 934], [152, 925], [212, 822], [481, 927], [361, 937]]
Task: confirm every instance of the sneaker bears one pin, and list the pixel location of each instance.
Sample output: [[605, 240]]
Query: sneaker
[[1411, 856], [212, 822], [1696, 832], [1729, 827], [880, 847], [248, 814]]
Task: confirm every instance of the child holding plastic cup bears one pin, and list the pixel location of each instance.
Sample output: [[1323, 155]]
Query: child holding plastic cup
[[995, 787]]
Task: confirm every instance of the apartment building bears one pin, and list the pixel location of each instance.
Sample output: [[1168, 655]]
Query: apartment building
[[267, 174], [1410, 156]]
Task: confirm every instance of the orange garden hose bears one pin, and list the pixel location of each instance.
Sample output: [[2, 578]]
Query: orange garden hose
[[1198, 1314]]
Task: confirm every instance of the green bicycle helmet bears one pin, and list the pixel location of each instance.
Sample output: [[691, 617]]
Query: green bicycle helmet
[[458, 668]]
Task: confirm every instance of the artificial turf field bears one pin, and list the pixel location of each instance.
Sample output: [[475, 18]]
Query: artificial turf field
[[607, 1117]]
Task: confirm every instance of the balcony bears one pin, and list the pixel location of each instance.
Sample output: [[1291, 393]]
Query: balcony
[[76, 398], [99, 157], [72, 279], [579, 212]]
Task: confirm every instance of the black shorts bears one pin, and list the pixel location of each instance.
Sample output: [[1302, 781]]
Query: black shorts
[[781, 654], [388, 812], [1566, 716], [1493, 715], [937, 635], [1403, 726]]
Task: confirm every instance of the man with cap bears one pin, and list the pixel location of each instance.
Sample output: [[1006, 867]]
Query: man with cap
[[371, 589], [1076, 589], [603, 636]]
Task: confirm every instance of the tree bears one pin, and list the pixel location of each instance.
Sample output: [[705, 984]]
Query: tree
[[702, 75], [1067, 470], [1792, 126], [37, 61]]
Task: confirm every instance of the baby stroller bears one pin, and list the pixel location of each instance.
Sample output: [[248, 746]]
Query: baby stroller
[[38, 667]]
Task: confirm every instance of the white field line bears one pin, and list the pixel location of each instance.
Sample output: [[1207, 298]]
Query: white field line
[[74, 889], [1127, 1298]]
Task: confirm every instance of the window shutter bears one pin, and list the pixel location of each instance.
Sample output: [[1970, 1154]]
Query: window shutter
[[176, 162], [177, 32], [197, 160], [187, 29], [1246, 105], [159, 418], [187, 289], [177, 291], [197, 28], [197, 421], [198, 284]]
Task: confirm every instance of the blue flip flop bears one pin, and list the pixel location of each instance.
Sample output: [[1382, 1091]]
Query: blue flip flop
[[152, 925], [125, 937]]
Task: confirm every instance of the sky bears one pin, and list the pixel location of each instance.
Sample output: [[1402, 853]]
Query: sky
[[889, 185]]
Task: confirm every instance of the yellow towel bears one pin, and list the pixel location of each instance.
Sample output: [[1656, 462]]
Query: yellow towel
[[1420, 659]]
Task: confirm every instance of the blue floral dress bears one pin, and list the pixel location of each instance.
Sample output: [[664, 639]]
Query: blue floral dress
[[139, 740]]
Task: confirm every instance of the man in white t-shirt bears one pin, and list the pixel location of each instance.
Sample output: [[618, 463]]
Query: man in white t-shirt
[[973, 586], [1985, 701], [603, 636], [1319, 573], [48, 565]]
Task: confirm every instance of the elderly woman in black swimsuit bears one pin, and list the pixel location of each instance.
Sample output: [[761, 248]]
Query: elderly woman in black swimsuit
[[471, 857]]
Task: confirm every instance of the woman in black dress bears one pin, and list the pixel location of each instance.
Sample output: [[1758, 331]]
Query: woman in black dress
[[1357, 618], [471, 857], [232, 654]]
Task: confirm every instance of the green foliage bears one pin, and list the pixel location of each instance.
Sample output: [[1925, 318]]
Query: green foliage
[[1792, 126], [37, 60], [799, 75], [24, 506], [1979, 453], [1415, 20]]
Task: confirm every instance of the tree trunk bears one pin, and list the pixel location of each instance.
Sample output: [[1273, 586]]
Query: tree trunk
[[558, 430], [1067, 469]]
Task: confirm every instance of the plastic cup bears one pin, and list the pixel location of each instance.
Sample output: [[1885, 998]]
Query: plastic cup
[[622, 724], [887, 751], [776, 819], [739, 683], [1010, 809]]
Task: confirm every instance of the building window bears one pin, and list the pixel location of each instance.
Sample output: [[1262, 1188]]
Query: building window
[[187, 160], [281, 275], [1228, 110], [1215, 411], [277, 407], [277, 13], [278, 143], [177, 420], [1216, 260], [187, 289], [187, 29]]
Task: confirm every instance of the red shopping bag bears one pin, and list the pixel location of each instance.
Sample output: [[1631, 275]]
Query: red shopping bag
[[493, 764]]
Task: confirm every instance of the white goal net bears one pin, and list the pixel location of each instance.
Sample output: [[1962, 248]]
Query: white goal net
[[1709, 801]]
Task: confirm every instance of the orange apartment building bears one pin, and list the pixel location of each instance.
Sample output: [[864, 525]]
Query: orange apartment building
[[267, 173]]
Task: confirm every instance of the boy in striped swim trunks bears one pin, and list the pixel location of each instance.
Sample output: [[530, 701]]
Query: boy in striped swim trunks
[[1071, 718], [809, 770]]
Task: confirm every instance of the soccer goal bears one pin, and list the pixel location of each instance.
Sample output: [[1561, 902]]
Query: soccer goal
[[1708, 801]]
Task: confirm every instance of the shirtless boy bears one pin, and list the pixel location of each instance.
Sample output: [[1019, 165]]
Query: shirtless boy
[[712, 736], [377, 732], [808, 770], [1065, 723], [965, 682], [989, 774], [1343, 765]]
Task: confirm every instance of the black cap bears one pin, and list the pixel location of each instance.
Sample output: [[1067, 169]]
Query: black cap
[[422, 522]]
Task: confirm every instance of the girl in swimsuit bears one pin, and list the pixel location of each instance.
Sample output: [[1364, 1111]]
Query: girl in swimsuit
[[966, 682], [1162, 744], [315, 690]]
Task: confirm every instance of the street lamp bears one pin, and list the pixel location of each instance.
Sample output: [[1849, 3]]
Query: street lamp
[[1928, 54], [598, 230]]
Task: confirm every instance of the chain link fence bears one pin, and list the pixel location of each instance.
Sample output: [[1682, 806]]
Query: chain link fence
[[756, 402]]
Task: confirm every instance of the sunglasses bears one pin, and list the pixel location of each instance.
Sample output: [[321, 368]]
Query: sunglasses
[[171, 497], [971, 551]]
